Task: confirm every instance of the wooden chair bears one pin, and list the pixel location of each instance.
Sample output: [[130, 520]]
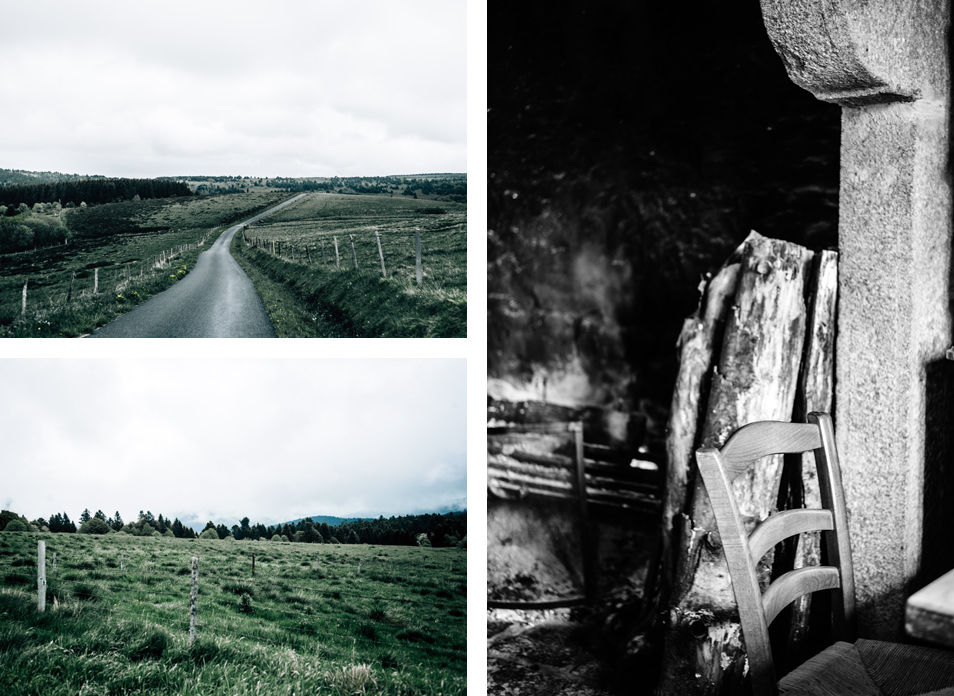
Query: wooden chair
[[863, 667]]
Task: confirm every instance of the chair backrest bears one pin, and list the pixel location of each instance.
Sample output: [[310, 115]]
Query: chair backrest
[[743, 551]]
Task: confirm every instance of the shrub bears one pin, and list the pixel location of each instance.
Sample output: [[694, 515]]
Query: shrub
[[94, 525], [16, 526], [275, 537], [209, 534], [245, 604]]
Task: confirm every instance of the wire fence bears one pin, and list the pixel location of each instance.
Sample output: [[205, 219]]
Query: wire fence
[[379, 252], [110, 277]]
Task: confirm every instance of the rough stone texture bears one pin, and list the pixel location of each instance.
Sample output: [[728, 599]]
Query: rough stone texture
[[856, 53], [893, 320], [887, 64]]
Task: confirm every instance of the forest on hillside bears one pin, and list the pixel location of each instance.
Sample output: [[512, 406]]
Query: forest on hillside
[[437, 530], [90, 191]]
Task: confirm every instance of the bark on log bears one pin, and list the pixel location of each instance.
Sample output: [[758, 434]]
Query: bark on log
[[755, 379]]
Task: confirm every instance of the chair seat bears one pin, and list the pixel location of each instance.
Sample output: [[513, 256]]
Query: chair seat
[[873, 667]]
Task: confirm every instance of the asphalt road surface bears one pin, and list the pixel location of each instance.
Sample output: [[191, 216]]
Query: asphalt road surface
[[215, 300]]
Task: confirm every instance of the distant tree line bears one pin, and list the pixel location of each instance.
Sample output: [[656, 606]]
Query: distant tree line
[[17, 177], [90, 191], [438, 530], [453, 189]]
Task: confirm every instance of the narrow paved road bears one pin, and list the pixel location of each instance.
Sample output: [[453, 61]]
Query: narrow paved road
[[215, 300]]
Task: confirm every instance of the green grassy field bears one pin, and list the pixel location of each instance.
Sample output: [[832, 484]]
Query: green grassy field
[[122, 243], [368, 620], [310, 290]]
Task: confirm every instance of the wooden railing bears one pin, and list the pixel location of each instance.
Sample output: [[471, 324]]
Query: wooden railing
[[552, 460]]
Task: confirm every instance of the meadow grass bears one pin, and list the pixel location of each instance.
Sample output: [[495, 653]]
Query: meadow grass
[[368, 620], [310, 289]]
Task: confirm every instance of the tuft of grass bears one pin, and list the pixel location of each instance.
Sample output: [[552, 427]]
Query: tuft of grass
[[367, 631], [238, 588], [353, 679], [415, 637], [86, 592], [149, 646], [15, 579]]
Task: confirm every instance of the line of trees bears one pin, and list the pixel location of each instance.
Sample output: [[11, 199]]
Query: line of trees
[[438, 530], [89, 191]]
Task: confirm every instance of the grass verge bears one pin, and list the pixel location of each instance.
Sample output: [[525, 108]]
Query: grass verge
[[309, 301]]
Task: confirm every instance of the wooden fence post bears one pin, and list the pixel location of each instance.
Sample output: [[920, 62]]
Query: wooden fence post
[[194, 600], [354, 254], [122, 563], [54, 563], [23, 302], [95, 280], [337, 259], [41, 576], [417, 253], [384, 271]]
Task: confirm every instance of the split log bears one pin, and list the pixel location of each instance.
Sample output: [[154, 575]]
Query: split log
[[755, 378], [792, 631], [697, 345]]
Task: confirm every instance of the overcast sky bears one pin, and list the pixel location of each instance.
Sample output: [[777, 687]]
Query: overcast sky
[[234, 87], [219, 440]]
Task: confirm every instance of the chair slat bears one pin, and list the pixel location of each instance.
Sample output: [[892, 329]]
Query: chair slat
[[839, 548], [757, 440], [794, 584], [784, 524]]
